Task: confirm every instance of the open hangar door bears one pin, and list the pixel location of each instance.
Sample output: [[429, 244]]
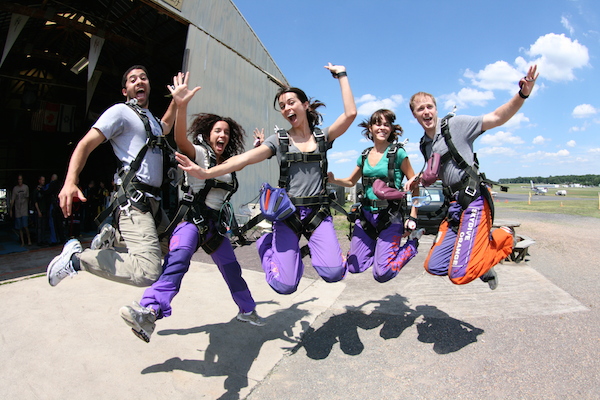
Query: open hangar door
[[61, 68]]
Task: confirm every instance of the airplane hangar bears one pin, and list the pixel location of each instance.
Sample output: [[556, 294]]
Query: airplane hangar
[[63, 60]]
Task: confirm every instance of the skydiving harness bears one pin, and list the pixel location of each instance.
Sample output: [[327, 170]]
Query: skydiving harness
[[387, 209], [473, 183], [132, 192], [193, 208], [319, 203]]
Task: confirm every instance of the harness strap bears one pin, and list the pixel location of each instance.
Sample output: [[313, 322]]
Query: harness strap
[[383, 207], [323, 200], [124, 191], [194, 202], [473, 184], [307, 226], [287, 158]]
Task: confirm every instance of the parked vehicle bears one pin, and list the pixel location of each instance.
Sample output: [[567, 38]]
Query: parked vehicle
[[561, 192], [430, 215]]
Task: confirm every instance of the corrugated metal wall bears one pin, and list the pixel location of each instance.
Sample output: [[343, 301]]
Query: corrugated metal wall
[[237, 76]]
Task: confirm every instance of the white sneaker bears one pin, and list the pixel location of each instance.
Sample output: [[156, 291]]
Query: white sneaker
[[253, 318], [142, 320], [105, 239], [416, 234], [62, 266]]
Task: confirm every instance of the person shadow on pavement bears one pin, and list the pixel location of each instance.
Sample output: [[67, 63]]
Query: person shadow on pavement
[[391, 313], [233, 347], [446, 333], [394, 316]]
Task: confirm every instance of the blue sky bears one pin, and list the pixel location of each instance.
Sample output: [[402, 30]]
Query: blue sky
[[466, 53]]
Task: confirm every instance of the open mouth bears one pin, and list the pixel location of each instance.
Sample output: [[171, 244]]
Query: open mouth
[[292, 117], [220, 145], [140, 95]]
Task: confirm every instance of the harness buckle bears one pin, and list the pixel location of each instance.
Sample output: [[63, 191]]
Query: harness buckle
[[125, 208], [470, 191], [137, 196], [444, 123], [198, 221], [188, 197]]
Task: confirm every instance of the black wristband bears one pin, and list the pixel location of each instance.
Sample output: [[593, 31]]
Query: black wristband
[[522, 95], [339, 74]]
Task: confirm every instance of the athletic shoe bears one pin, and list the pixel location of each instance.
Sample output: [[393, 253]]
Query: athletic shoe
[[62, 266], [253, 318], [104, 239], [491, 278], [140, 319]]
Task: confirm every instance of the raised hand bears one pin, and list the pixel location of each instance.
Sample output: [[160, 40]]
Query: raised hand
[[335, 69], [259, 137], [528, 81], [179, 89]]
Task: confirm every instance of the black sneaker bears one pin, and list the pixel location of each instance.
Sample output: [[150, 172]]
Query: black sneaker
[[491, 278]]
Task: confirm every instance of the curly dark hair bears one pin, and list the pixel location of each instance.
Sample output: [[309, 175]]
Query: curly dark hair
[[314, 117], [203, 124], [378, 117]]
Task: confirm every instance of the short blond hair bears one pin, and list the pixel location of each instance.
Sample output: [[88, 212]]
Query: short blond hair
[[414, 97]]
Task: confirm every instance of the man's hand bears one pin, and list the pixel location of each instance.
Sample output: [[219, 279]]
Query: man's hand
[[66, 195]]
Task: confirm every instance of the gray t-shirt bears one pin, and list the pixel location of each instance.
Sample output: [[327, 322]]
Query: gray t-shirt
[[125, 131], [464, 129], [305, 179]]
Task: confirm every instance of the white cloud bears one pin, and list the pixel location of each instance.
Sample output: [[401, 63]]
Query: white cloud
[[343, 156], [516, 121], [584, 111], [571, 143], [594, 150], [411, 147], [539, 140], [497, 76], [567, 25], [542, 155], [557, 56], [365, 97], [496, 151], [466, 97], [500, 138], [369, 103]]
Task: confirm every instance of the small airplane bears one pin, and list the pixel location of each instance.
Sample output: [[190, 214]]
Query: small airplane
[[538, 189]]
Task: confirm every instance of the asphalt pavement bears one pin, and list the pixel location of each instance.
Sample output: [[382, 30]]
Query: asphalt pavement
[[416, 337]]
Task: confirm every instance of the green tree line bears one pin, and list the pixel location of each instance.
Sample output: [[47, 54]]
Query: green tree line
[[587, 180]]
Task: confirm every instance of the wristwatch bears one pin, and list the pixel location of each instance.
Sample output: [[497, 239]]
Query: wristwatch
[[411, 223]]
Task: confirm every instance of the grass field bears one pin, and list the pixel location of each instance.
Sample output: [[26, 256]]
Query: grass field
[[522, 188], [579, 201]]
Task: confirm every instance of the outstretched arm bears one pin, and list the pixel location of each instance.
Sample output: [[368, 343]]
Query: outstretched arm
[[346, 182], [506, 111], [86, 145], [343, 122], [234, 163], [181, 97]]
